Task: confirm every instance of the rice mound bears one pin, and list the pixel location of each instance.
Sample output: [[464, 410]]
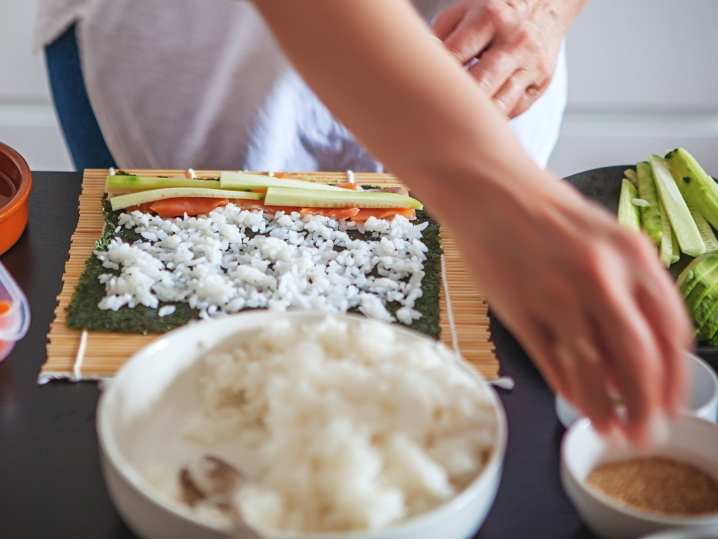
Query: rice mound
[[354, 429]]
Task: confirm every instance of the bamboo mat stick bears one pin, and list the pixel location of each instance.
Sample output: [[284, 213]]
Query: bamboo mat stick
[[76, 355]]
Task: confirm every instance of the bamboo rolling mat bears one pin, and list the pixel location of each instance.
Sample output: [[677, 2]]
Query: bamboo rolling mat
[[92, 355]]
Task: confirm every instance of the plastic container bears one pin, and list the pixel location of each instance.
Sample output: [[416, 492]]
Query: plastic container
[[14, 313]]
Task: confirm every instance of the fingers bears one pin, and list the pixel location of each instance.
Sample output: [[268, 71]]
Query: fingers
[[633, 350], [512, 92], [447, 21], [471, 34], [667, 314]]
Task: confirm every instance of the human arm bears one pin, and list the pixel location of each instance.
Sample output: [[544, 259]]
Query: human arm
[[589, 301], [518, 43]]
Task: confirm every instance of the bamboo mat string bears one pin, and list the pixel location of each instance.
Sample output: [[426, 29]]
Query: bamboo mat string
[[77, 367], [449, 310]]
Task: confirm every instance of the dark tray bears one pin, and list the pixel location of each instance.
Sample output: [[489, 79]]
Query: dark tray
[[604, 186]]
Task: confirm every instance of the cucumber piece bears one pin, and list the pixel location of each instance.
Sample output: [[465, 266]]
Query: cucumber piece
[[695, 271], [675, 207], [705, 230], [675, 248], [241, 181], [305, 198], [650, 215], [631, 176], [705, 288], [702, 189], [666, 237], [134, 184], [710, 326], [628, 215], [133, 199]]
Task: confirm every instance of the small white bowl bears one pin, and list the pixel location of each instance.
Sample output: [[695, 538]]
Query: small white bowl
[[690, 439], [703, 395], [707, 533], [165, 372]]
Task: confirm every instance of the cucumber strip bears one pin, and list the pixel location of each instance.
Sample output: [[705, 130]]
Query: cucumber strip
[[241, 181], [707, 234], [698, 184], [134, 184], [694, 272], [675, 248], [650, 215], [675, 207], [631, 176], [133, 199], [628, 215], [305, 198], [666, 239]]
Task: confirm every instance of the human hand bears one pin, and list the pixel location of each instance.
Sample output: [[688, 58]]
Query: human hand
[[588, 301], [517, 42]]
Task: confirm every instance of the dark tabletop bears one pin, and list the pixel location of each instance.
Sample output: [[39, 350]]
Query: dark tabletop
[[50, 480]]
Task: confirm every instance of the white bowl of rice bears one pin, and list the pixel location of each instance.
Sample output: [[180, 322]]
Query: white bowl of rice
[[343, 428]]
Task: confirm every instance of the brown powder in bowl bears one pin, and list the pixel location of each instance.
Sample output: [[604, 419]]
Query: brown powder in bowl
[[657, 485]]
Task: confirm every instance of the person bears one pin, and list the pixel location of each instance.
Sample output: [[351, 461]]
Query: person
[[204, 84], [588, 300]]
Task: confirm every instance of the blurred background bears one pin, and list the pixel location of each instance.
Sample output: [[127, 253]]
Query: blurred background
[[643, 78]]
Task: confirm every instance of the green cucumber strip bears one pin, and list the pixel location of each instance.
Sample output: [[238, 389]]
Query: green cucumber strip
[[707, 234], [650, 215], [628, 215], [689, 174], [675, 248], [133, 184], [133, 199], [305, 198], [631, 176], [710, 326], [695, 271], [666, 237], [241, 181], [689, 238], [701, 301]]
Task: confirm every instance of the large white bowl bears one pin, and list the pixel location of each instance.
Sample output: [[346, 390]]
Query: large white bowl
[[702, 398], [690, 439], [165, 372]]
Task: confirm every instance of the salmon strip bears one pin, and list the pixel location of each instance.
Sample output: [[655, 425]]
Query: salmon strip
[[383, 213], [332, 213], [350, 186], [177, 207], [252, 205]]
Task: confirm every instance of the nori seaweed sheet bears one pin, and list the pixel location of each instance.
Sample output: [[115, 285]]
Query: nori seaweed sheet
[[83, 312]]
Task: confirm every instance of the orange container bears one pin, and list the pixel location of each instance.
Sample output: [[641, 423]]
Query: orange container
[[13, 215]]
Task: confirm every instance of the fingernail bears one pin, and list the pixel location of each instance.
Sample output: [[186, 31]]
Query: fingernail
[[501, 105]]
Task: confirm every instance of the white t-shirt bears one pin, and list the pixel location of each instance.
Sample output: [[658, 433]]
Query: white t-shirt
[[204, 84]]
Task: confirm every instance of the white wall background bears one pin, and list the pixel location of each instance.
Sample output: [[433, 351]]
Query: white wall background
[[643, 77], [27, 117]]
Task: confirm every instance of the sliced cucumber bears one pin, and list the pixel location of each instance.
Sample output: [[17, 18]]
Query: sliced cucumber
[[133, 199], [650, 215], [666, 237], [707, 234], [701, 187], [694, 271], [702, 299], [282, 196], [241, 181], [629, 216], [134, 184], [689, 238], [631, 176]]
